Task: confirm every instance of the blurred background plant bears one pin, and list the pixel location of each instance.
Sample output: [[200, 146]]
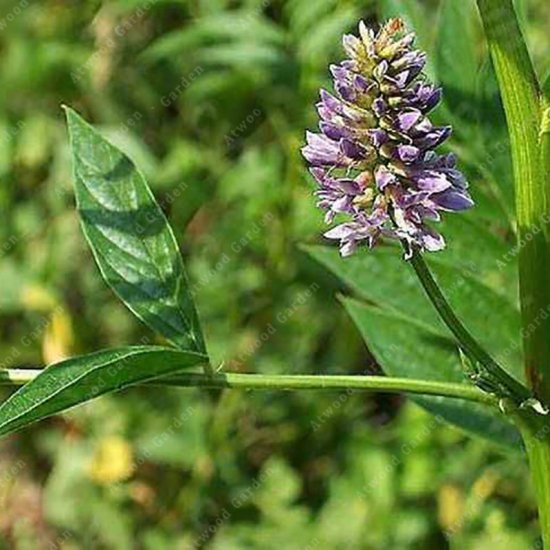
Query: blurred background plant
[[211, 98]]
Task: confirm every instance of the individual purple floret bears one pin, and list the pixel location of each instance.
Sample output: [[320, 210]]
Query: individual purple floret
[[374, 158]]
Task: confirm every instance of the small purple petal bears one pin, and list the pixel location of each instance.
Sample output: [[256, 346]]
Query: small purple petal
[[431, 240], [352, 149], [350, 187], [379, 106], [434, 138], [416, 59], [384, 177], [448, 160], [431, 101], [407, 153], [334, 132], [407, 119], [429, 213], [361, 83], [432, 181], [457, 178], [378, 137], [321, 151], [347, 93], [424, 96], [352, 45], [342, 231], [342, 204], [348, 248], [330, 102], [339, 72], [319, 174], [452, 200]]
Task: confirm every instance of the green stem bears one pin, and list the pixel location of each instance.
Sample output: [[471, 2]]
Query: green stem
[[467, 342], [528, 126], [297, 382], [535, 430], [522, 102], [18, 377]]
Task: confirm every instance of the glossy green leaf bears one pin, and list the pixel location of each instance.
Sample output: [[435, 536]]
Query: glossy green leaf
[[74, 381], [130, 237], [381, 276], [406, 348]]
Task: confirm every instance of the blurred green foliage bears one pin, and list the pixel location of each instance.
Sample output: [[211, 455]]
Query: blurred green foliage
[[210, 98]]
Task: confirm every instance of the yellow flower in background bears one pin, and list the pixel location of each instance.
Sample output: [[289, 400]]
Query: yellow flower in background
[[56, 328], [38, 298], [58, 340], [451, 508], [485, 485], [113, 461]]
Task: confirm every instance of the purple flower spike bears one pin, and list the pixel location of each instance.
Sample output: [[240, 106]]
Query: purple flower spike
[[374, 159]]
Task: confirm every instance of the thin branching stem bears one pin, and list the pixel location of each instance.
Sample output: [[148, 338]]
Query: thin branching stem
[[466, 340], [292, 382]]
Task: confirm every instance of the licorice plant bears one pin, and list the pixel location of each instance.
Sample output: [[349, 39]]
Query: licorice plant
[[383, 185]]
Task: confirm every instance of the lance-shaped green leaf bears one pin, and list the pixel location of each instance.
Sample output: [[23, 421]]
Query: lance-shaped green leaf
[[410, 349], [382, 277], [407, 337], [74, 381], [521, 96], [131, 240]]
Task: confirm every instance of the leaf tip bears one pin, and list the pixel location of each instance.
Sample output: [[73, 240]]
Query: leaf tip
[[70, 113], [67, 110]]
